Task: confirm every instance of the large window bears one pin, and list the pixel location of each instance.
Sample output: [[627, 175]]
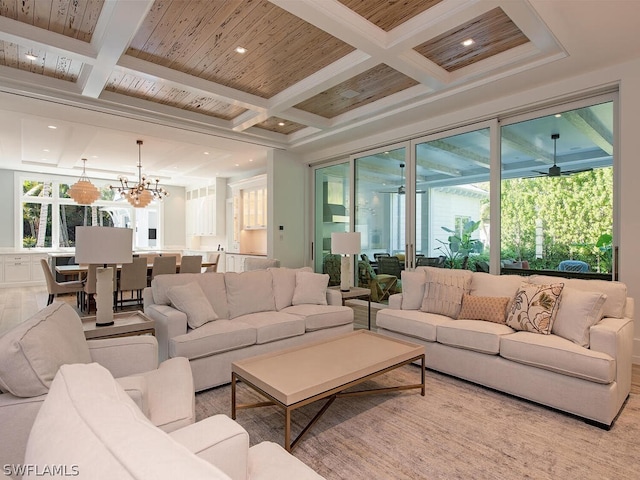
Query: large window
[[49, 216], [527, 192]]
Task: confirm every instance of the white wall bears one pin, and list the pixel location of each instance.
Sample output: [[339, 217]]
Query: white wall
[[287, 200], [7, 199], [625, 76]]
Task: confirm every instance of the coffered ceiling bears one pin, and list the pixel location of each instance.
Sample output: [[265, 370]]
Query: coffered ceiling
[[311, 69]]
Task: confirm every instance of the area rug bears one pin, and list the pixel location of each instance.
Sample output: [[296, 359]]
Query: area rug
[[458, 430]]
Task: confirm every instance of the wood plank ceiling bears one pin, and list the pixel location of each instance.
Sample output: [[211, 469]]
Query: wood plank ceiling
[[308, 66]]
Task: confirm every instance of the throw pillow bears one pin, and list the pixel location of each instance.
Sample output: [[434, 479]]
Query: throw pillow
[[32, 352], [190, 300], [311, 288], [579, 311], [490, 309], [535, 307], [412, 289], [284, 284], [249, 292], [444, 289]]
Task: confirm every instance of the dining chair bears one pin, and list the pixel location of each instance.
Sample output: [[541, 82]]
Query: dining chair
[[213, 258], [133, 278], [57, 288], [191, 264], [163, 265]]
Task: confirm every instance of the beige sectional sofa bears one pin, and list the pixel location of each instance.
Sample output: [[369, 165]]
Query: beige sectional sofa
[[572, 350], [90, 428], [214, 319]]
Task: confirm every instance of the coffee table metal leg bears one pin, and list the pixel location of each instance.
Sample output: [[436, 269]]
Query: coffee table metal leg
[[287, 429], [422, 391], [233, 396]]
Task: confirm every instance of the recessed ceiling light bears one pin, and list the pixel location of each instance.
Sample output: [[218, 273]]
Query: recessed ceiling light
[[52, 127], [558, 115], [251, 159], [349, 94], [45, 149], [241, 50], [31, 56], [237, 164], [281, 124], [206, 153], [468, 42]]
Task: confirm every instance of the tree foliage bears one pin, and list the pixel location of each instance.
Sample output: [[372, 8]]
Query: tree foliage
[[575, 211]]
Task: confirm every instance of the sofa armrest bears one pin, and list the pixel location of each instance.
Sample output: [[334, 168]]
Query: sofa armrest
[[614, 336], [220, 441], [169, 323], [136, 388], [126, 355], [395, 301], [269, 461], [17, 415], [334, 297]]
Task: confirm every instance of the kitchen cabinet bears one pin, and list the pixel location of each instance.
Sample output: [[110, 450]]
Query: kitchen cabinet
[[21, 268], [205, 210], [235, 262], [249, 210]]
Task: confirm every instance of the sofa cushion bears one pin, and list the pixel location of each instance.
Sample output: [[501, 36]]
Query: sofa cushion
[[413, 323], [284, 283], [319, 317], [558, 354], [211, 283], [190, 299], [444, 289], [476, 335], [616, 292], [89, 425], [413, 288], [578, 312], [535, 307], [490, 309], [487, 285], [212, 338], [310, 288], [249, 292], [272, 326], [32, 352]]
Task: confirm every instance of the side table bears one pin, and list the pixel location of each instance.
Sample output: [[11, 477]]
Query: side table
[[126, 324], [357, 292]]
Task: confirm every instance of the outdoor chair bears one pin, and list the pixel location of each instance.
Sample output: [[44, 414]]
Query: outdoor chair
[[331, 266], [573, 266], [381, 286], [391, 266], [431, 261]]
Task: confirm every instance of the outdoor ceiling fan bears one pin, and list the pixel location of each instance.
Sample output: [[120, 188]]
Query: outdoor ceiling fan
[[401, 190], [555, 170]]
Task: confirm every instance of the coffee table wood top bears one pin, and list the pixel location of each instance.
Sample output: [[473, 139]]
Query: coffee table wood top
[[299, 373]]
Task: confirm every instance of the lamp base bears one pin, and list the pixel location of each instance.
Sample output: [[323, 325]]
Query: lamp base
[[105, 324], [345, 273]]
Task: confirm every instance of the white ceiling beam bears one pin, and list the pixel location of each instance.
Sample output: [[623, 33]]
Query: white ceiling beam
[[174, 78], [116, 27]]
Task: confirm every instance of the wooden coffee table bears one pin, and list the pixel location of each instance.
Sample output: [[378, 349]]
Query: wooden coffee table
[[298, 376]]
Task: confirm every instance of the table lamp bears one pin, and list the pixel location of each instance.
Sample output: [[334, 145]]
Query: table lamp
[[103, 246], [345, 244]]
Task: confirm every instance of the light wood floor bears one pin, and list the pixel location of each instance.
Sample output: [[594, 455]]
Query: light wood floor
[[18, 304]]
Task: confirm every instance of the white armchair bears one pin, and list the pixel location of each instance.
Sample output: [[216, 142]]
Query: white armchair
[[32, 352], [89, 423]]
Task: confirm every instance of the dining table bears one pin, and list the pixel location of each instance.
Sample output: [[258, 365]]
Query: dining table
[[76, 270]]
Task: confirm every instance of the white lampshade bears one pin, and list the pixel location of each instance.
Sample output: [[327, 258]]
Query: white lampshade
[[345, 243], [103, 245]]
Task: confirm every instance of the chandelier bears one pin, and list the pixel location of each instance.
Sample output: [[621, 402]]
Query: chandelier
[[83, 192], [141, 194]]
